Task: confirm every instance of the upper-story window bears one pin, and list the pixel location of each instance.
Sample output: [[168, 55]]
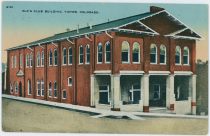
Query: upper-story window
[[27, 60], [70, 55], [162, 54], [80, 54], [42, 58], [136, 52], [64, 56], [50, 58], [125, 52], [50, 89], [55, 89], [153, 54], [29, 87], [69, 81], [100, 53], [12, 63], [186, 56], [21, 60], [55, 57], [31, 60], [38, 61], [178, 55], [108, 52], [87, 58]]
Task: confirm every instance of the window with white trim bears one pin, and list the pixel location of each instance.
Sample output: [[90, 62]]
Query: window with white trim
[[153, 54], [64, 95], [135, 94], [29, 87], [21, 60], [55, 57], [38, 88], [27, 60], [108, 52], [162, 54], [87, 58], [70, 56], [42, 88], [42, 58], [69, 81], [64, 56], [186, 56], [31, 60], [125, 53], [136, 52], [100, 53], [11, 88], [16, 87], [50, 90], [81, 53], [12, 62], [178, 55], [38, 61], [50, 58], [55, 89], [104, 93]]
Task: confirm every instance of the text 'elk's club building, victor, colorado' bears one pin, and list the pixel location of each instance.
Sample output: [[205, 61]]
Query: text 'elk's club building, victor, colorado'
[[129, 64]]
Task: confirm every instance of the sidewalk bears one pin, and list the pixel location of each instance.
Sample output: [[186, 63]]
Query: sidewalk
[[101, 112]]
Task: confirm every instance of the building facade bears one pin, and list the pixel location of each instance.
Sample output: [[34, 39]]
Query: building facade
[[130, 64]]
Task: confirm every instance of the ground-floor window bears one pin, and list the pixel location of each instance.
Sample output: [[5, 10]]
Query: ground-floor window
[[55, 89], [16, 87], [104, 94], [29, 87], [11, 88], [42, 88], [38, 88], [50, 90], [64, 94], [135, 94]]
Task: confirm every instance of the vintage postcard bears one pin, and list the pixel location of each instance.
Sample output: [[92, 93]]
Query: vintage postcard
[[106, 68]]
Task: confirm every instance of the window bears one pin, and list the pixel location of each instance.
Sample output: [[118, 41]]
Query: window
[[64, 94], [42, 58], [125, 52], [162, 54], [11, 88], [64, 56], [50, 58], [100, 53], [136, 52], [104, 94], [153, 54], [55, 89], [55, 57], [42, 88], [108, 52], [50, 90], [16, 87], [29, 87], [21, 60], [12, 62], [81, 54], [178, 55], [70, 55], [135, 94], [38, 88], [27, 60], [31, 60], [186, 56], [87, 54], [38, 59], [156, 92], [69, 81]]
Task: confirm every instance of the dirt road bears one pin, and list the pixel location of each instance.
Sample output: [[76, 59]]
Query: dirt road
[[27, 117]]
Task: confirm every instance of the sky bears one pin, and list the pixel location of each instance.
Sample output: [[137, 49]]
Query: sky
[[20, 27]]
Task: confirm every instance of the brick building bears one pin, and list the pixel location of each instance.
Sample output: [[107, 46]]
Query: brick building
[[129, 64]]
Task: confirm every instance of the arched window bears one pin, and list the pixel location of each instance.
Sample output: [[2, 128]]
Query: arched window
[[108, 52], [64, 56], [31, 60], [87, 54], [162, 54], [42, 58], [50, 90], [55, 57], [50, 58], [55, 89], [70, 55], [136, 52], [81, 54], [125, 52], [178, 55], [42, 88], [153, 54], [186, 56], [38, 59], [29, 87], [16, 87], [100, 53]]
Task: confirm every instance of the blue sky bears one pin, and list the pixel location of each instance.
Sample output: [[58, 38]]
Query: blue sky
[[27, 27]]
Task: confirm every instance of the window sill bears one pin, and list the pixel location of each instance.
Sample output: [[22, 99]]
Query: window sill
[[64, 98], [125, 62], [136, 63], [153, 63], [163, 64], [186, 65]]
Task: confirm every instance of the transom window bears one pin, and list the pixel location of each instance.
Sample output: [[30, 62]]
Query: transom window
[[162, 54], [108, 52], [64, 56], [125, 52], [55, 57], [136, 52], [186, 56], [81, 54], [87, 54], [178, 55], [100, 53], [70, 55], [153, 54], [50, 58]]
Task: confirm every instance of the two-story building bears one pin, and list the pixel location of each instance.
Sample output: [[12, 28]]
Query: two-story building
[[129, 64]]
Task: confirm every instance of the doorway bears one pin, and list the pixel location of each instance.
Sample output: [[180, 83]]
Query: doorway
[[20, 89]]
